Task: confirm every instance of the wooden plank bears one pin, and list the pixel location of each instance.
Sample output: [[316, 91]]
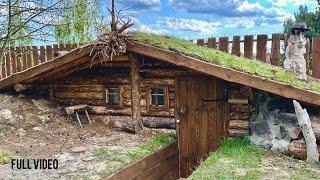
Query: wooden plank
[[79, 95], [279, 88], [55, 49], [19, 59], [3, 67], [24, 58], [202, 121], [236, 46], [135, 81], [212, 43], [275, 49], [316, 57], [8, 63], [133, 170], [224, 44], [68, 47], [74, 46], [29, 57], [200, 42], [248, 47], [211, 93], [307, 55], [49, 53], [42, 57], [13, 60], [262, 47], [35, 56], [182, 126], [62, 47]]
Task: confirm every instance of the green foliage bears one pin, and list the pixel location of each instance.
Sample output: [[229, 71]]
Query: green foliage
[[5, 157], [155, 143], [304, 15], [80, 22], [233, 156], [264, 70]]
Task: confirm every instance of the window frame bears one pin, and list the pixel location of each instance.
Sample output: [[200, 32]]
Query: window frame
[[165, 96], [118, 90]]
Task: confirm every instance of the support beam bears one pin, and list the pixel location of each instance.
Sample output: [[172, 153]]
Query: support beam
[[136, 92]]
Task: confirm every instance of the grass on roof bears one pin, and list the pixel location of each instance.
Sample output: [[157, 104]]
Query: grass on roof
[[264, 70]]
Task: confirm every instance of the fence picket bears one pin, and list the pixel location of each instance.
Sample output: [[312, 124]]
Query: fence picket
[[212, 43], [29, 57], [19, 58], [35, 57], [200, 42], [236, 46], [224, 44], [42, 57], [49, 53], [248, 46], [262, 47], [8, 63], [316, 57], [275, 49], [13, 59]]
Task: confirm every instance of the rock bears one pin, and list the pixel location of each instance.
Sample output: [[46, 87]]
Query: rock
[[288, 118], [88, 158], [280, 145], [41, 104], [260, 128], [263, 141], [294, 133], [21, 132], [78, 149], [6, 114], [37, 128]]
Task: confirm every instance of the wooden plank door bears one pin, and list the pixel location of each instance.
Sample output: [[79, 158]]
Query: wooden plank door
[[201, 118]]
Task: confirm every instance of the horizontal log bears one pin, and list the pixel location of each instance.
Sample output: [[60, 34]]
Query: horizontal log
[[237, 133], [316, 130], [79, 95], [238, 101], [238, 124], [79, 101], [102, 110], [239, 116], [242, 108], [298, 149], [79, 88], [158, 122]]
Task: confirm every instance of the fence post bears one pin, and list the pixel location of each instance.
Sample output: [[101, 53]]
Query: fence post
[[8, 62], [13, 59], [35, 56], [200, 42], [212, 43], [42, 55], [262, 47], [49, 52], [248, 46], [224, 44], [275, 49], [236, 46], [29, 57], [316, 57]]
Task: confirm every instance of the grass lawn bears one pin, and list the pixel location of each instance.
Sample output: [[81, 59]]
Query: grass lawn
[[238, 159], [5, 157], [264, 70]]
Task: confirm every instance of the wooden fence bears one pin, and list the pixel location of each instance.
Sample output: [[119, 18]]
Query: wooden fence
[[162, 164], [18, 59], [266, 49]]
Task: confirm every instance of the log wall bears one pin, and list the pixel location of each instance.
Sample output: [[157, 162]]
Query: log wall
[[240, 110]]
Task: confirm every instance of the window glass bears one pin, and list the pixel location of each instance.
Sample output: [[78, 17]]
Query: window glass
[[157, 96], [113, 96]]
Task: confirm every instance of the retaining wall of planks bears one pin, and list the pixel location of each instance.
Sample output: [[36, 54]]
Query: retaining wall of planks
[[265, 49], [162, 164]]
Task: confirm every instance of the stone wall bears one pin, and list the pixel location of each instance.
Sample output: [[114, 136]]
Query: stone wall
[[274, 124]]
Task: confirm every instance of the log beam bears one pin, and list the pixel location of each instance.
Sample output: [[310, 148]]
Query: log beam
[[135, 92]]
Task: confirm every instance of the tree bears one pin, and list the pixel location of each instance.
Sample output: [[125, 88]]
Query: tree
[[80, 23], [22, 21], [304, 15]]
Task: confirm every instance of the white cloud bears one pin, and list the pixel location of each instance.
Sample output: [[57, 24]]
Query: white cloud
[[240, 23], [148, 29], [192, 25], [282, 3]]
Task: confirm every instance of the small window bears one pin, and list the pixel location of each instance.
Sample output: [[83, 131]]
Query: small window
[[157, 97], [112, 96]]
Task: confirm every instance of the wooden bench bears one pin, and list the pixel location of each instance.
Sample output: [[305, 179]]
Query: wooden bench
[[76, 109]]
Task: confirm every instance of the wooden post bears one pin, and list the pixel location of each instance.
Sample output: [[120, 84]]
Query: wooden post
[[316, 57], [224, 44], [248, 46], [135, 93], [200, 42], [236, 46], [262, 47], [212, 43], [275, 49]]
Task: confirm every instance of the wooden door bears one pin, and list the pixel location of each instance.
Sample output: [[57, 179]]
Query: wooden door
[[201, 116]]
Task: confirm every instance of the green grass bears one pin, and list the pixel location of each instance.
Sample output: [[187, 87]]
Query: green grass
[[230, 162], [264, 70], [115, 159], [155, 143], [5, 157]]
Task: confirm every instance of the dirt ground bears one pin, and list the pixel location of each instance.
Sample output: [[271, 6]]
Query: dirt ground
[[35, 128]]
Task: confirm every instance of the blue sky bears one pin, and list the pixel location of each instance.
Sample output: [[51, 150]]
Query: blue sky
[[206, 18]]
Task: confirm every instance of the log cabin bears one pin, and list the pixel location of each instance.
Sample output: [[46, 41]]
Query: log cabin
[[204, 93]]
